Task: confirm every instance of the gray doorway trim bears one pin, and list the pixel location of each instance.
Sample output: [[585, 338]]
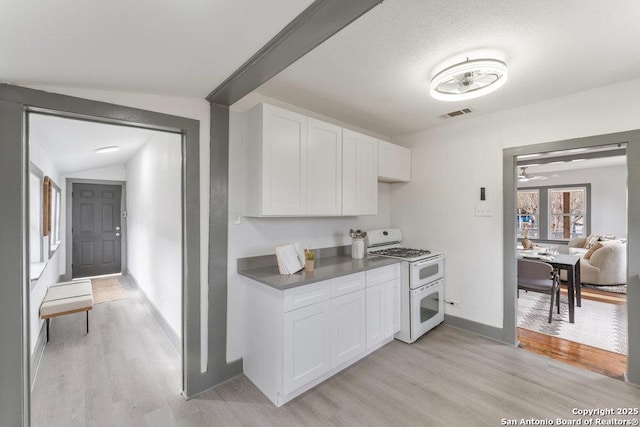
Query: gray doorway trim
[[218, 247], [14, 352], [632, 139], [68, 247], [14, 259], [321, 20]]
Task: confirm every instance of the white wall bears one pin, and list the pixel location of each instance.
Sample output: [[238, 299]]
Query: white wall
[[112, 173], [450, 164], [258, 236], [154, 224], [193, 108], [608, 195], [50, 274]]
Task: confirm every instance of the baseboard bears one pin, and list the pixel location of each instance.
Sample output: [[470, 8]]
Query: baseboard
[[171, 335], [481, 329], [36, 356]]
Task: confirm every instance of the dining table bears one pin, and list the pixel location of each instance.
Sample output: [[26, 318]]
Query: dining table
[[569, 263]]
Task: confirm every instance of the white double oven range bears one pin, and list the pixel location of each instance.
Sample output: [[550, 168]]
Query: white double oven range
[[422, 282]]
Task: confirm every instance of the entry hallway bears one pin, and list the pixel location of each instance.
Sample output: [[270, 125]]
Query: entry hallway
[[124, 373]]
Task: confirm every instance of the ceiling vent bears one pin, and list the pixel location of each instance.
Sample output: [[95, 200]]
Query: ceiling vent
[[456, 113]]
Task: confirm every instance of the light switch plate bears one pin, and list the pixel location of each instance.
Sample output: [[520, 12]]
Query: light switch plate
[[483, 211]]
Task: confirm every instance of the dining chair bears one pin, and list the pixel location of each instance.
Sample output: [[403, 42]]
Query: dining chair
[[538, 276]]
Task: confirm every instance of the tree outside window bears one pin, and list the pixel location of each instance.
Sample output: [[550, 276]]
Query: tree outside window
[[567, 213], [527, 212], [554, 212]]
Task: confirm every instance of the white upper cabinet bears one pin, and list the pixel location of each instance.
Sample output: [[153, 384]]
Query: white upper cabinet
[[394, 162], [369, 177], [276, 162], [301, 166], [324, 168], [359, 174]]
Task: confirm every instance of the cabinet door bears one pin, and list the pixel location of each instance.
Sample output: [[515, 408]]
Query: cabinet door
[[306, 345], [391, 307], [369, 176], [359, 174], [284, 162], [347, 327], [324, 168], [351, 154], [375, 315], [394, 162]]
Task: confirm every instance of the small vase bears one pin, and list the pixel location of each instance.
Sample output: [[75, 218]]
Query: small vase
[[309, 264], [526, 243], [357, 249]]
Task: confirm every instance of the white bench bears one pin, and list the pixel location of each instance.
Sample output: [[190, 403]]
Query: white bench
[[67, 298]]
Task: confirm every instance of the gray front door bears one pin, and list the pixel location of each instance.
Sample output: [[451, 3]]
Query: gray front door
[[96, 230]]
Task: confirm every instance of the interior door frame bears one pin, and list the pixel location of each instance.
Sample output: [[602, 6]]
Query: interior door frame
[[632, 140], [15, 104], [69, 220]]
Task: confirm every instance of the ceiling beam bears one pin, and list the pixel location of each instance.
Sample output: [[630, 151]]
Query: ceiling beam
[[321, 20]]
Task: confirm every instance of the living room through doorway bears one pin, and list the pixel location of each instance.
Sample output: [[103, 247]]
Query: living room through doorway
[[575, 200]]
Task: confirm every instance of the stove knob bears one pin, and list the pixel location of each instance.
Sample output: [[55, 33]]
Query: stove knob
[[385, 233]]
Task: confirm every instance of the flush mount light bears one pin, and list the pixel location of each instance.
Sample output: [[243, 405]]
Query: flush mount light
[[108, 149], [468, 79]]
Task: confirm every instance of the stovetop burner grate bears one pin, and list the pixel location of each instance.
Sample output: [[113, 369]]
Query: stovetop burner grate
[[402, 252]]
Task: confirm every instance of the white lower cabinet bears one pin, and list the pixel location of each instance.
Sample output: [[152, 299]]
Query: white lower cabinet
[[347, 327], [375, 315], [307, 353], [298, 337], [383, 304], [392, 307], [383, 312]]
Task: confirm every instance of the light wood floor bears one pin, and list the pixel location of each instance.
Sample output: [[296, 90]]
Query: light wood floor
[[124, 373]]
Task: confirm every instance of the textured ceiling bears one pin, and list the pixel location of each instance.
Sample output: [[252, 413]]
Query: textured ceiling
[[375, 73], [184, 48]]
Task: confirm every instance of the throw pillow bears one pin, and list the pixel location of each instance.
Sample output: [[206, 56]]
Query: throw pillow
[[591, 240], [592, 249]]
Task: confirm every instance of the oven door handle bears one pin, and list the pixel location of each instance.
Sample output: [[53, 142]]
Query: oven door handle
[[419, 264]]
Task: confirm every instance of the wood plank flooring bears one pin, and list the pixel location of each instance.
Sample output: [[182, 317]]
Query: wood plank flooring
[[595, 359], [124, 373]]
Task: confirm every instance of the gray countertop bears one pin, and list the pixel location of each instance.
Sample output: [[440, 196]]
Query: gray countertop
[[325, 269]]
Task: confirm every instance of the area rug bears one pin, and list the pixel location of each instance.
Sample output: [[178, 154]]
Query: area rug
[[597, 324], [105, 290]]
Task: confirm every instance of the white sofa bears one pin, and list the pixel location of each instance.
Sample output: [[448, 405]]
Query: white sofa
[[606, 265]]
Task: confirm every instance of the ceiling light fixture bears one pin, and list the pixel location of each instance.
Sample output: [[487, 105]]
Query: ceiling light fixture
[[108, 149], [468, 79]]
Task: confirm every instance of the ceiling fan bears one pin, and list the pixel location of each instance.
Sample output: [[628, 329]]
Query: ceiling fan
[[523, 176]]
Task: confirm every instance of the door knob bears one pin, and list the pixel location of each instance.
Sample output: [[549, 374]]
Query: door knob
[[117, 234]]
